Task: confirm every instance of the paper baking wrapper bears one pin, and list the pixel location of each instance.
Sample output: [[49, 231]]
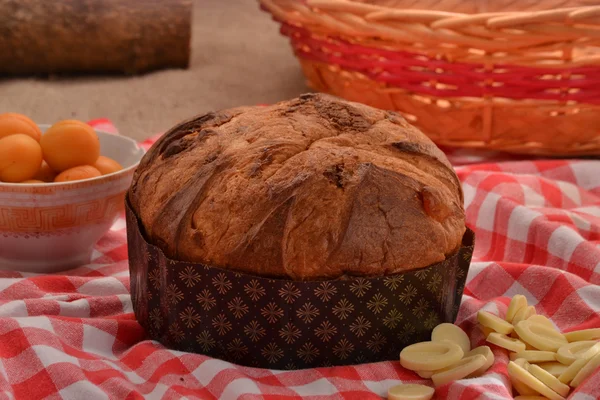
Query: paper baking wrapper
[[284, 324]]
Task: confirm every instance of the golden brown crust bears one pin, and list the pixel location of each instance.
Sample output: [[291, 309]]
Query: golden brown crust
[[310, 188]]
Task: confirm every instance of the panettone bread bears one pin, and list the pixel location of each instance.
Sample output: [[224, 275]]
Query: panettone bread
[[311, 188]]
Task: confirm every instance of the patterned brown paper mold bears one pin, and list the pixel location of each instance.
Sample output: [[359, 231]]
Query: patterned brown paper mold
[[283, 324]]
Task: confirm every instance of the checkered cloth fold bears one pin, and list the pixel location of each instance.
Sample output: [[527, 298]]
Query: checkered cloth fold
[[73, 335]]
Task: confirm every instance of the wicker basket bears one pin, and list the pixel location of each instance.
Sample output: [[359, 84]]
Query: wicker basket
[[514, 75]]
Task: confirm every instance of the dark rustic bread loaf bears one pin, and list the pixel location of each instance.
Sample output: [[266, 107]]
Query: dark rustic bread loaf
[[310, 188]]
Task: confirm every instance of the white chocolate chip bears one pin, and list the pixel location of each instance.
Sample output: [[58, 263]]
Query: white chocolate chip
[[520, 374], [542, 320], [523, 314], [489, 357], [485, 330], [549, 380], [522, 388], [539, 336], [410, 392], [585, 334], [573, 369], [554, 368], [462, 369], [586, 371], [568, 353], [430, 356], [494, 322], [506, 342], [521, 363], [516, 303], [535, 356], [452, 333], [425, 374]]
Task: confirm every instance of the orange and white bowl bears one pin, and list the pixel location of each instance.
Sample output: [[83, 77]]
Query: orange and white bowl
[[48, 227]]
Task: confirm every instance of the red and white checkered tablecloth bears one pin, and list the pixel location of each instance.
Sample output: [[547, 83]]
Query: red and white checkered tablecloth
[[73, 335]]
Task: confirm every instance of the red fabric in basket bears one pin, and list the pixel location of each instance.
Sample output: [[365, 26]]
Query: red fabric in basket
[[460, 79], [73, 335]]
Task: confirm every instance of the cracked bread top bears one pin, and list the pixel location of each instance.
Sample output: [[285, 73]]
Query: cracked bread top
[[311, 188]]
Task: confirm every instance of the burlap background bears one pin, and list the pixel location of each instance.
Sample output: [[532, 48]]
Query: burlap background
[[238, 58]]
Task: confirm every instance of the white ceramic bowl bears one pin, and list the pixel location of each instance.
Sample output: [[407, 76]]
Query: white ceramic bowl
[[54, 226]]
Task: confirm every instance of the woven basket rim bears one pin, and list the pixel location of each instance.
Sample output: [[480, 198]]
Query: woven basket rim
[[465, 79], [447, 8]]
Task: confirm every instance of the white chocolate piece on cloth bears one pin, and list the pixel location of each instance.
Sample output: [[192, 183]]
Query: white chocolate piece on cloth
[[489, 357], [542, 320], [539, 336], [591, 352], [522, 363], [516, 303], [506, 342], [584, 334], [530, 398], [528, 346], [430, 356], [462, 369], [523, 314], [549, 380], [410, 392], [494, 322], [534, 356], [587, 370], [453, 333], [519, 386], [554, 367], [521, 374], [522, 388], [572, 370], [481, 350], [425, 374], [568, 353], [485, 330]]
